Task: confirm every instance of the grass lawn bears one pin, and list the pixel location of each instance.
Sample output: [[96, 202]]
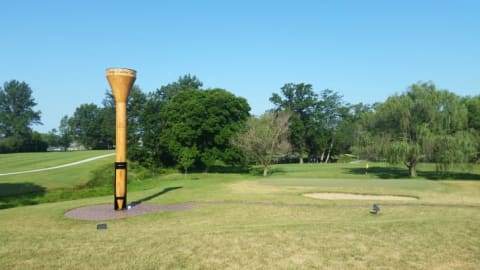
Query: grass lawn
[[32, 161], [59, 178], [243, 221], [46, 185]]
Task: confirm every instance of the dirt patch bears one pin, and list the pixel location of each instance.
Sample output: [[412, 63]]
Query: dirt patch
[[349, 196], [106, 211]]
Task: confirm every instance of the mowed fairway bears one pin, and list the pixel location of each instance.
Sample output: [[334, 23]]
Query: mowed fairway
[[66, 177], [243, 221]]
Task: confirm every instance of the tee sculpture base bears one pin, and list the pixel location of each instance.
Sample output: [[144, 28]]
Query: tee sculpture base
[[121, 81]]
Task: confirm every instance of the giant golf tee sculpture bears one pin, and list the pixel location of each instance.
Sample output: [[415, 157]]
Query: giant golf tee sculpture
[[121, 80]]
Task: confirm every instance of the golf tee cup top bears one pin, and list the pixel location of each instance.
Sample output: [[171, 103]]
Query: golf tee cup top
[[121, 81]]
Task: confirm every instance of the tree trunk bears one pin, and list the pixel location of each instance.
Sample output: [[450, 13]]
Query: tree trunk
[[301, 160], [265, 171], [329, 152], [412, 170], [323, 155]]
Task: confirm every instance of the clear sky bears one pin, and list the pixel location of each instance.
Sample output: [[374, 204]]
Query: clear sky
[[365, 50]]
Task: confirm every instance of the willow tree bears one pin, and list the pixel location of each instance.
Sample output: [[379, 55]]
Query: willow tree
[[422, 124]]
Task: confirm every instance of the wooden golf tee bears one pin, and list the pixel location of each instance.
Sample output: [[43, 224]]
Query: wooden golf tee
[[121, 81]]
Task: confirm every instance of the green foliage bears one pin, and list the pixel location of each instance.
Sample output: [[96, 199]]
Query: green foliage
[[29, 142], [16, 117], [300, 101], [265, 138], [330, 117], [319, 124], [94, 126], [421, 124], [187, 157], [66, 135], [206, 120], [88, 123], [473, 107], [16, 109], [150, 124], [186, 82], [151, 154], [343, 133]]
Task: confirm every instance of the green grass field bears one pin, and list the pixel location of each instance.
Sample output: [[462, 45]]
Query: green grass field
[[49, 185], [31, 161], [244, 221]]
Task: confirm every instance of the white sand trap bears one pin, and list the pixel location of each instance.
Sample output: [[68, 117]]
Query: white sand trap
[[348, 196]]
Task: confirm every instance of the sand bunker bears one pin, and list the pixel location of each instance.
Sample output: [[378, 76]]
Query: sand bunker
[[348, 196]]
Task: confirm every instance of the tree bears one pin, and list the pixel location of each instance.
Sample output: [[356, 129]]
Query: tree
[[53, 138], [205, 119], [300, 101], [150, 123], [151, 153], [187, 157], [17, 114], [265, 138], [420, 124], [328, 114], [186, 82], [473, 107], [87, 124], [345, 132], [65, 133], [16, 109]]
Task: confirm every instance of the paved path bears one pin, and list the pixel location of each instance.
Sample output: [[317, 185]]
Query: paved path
[[59, 166]]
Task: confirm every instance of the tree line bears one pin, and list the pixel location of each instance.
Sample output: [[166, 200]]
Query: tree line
[[184, 125]]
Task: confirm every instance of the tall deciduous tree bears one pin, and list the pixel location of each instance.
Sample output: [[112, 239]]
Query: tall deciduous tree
[[17, 115], [301, 102], [328, 114], [87, 124], [65, 133], [265, 138], [205, 120], [17, 112], [421, 124], [153, 153]]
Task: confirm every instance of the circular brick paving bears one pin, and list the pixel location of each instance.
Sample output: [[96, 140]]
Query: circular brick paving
[[106, 211]]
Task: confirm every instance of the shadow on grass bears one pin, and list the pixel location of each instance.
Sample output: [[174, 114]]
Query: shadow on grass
[[258, 171], [399, 173], [449, 175], [381, 172], [165, 190], [15, 194], [14, 189], [219, 169]]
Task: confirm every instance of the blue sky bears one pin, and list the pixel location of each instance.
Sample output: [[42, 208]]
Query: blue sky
[[365, 50]]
